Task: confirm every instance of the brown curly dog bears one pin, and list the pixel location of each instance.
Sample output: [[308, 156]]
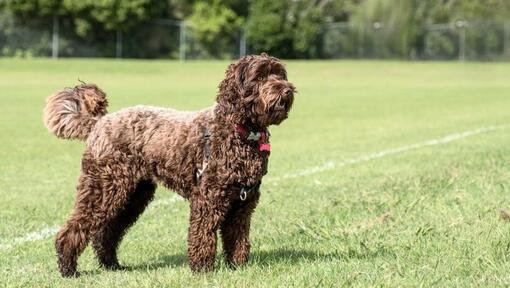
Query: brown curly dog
[[215, 158]]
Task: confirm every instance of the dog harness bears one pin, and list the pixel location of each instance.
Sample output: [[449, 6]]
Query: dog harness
[[261, 136]]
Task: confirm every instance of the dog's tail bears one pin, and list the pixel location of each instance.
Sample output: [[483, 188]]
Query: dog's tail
[[71, 113]]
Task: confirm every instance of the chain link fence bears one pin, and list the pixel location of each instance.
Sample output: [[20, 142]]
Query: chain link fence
[[462, 40], [156, 39], [169, 39]]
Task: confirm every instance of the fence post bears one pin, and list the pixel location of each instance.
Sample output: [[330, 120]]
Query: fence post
[[461, 25], [118, 44], [242, 43], [55, 37], [376, 29], [182, 41], [506, 38], [361, 36]]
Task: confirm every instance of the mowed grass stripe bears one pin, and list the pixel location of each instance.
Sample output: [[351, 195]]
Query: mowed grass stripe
[[49, 231], [380, 154]]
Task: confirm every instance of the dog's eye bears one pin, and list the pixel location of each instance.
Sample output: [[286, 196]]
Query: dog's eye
[[260, 78]]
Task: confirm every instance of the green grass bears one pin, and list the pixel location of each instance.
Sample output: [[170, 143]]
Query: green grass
[[425, 217]]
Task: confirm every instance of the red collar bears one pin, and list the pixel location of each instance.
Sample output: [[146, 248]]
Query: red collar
[[261, 136]]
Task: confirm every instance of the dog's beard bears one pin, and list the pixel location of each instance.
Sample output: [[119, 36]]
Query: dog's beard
[[277, 117], [274, 105]]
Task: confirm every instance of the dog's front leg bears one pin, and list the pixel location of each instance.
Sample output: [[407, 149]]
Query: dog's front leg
[[235, 230], [205, 218]]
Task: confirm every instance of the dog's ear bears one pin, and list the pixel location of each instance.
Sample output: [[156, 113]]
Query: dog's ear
[[241, 76]]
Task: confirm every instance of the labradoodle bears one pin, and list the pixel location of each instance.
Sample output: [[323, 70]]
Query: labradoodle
[[215, 158]]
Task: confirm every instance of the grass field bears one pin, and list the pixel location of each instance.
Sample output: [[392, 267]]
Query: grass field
[[420, 215]]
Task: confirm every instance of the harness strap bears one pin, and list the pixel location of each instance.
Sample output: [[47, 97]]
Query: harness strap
[[207, 147], [207, 154]]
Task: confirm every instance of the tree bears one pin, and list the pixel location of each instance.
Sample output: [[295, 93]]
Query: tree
[[109, 14], [268, 26], [285, 28], [216, 27]]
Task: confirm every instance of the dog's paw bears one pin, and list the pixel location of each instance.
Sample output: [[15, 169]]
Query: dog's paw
[[114, 266], [70, 273], [201, 268]]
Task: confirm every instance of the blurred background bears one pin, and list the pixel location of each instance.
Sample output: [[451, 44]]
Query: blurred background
[[291, 29]]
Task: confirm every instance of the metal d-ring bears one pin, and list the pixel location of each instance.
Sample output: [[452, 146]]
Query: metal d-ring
[[243, 194]]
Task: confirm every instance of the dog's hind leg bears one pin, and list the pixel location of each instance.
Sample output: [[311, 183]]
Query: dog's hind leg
[[235, 231], [107, 239], [103, 192], [74, 236]]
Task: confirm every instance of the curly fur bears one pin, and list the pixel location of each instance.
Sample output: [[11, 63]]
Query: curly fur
[[71, 113], [129, 151]]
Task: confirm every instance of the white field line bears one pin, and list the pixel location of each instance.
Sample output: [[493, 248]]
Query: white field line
[[329, 165], [50, 231], [165, 201], [32, 236]]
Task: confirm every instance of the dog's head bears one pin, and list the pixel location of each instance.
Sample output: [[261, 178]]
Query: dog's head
[[256, 89]]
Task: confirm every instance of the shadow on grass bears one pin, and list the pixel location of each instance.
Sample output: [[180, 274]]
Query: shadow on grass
[[162, 262], [295, 256], [268, 258]]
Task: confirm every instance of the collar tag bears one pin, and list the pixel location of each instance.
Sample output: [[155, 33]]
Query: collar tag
[[255, 136], [264, 147], [262, 137]]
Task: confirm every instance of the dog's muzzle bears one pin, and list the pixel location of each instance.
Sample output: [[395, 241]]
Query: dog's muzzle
[[286, 100]]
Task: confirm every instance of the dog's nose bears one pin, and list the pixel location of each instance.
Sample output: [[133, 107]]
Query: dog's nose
[[287, 92]]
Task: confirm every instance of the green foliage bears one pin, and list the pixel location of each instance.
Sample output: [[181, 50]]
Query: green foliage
[[215, 27], [384, 27], [307, 31], [110, 14], [285, 28], [267, 28], [35, 8], [400, 28], [24, 41]]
